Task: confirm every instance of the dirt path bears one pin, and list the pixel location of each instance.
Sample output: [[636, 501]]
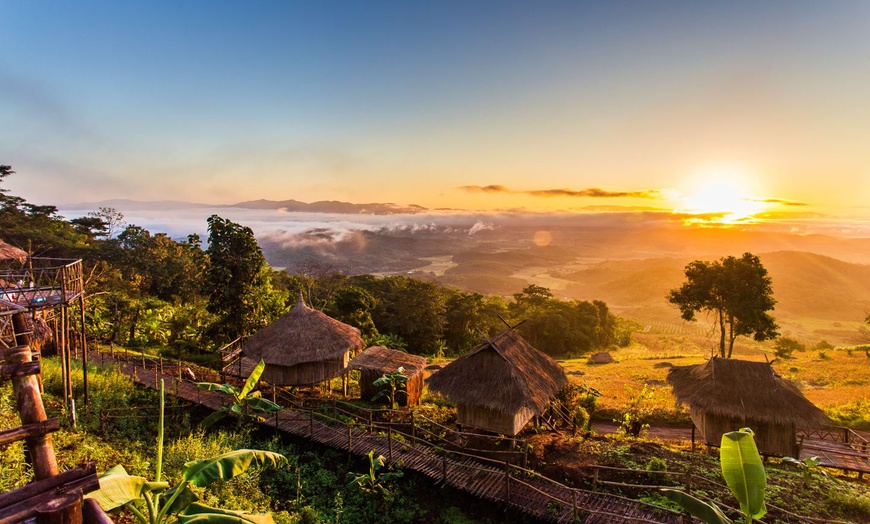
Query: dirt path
[[672, 433]]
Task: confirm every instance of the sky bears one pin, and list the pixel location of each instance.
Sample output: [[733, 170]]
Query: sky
[[741, 108]]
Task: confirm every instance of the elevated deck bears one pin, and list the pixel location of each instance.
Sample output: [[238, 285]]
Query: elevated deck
[[39, 283]]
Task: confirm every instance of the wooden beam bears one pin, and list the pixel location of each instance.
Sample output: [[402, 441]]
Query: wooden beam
[[23, 504], [45, 427], [21, 369]]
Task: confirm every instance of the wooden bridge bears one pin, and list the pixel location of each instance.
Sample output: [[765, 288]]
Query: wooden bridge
[[501, 481]]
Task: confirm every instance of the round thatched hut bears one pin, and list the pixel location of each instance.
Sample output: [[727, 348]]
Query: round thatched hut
[[303, 347], [12, 253], [375, 361], [726, 394], [500, 385]]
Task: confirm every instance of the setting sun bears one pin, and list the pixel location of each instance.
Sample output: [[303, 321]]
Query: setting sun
[[721, 196]]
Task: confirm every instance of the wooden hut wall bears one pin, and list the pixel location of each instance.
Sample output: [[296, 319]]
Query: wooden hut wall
[[771, 439], [489, 419], [304, 374], [414, 387]]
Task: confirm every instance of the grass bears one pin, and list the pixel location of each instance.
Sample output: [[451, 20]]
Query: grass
[[838, 381]]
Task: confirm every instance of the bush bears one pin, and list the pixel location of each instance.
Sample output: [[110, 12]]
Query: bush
[[785, 347], [581, 417]]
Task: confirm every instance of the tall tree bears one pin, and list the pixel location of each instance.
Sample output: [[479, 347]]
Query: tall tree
[[237, 280], [737, 291]]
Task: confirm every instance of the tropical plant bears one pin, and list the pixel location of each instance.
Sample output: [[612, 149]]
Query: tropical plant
[[637, 411], [744, 474], [120, 490], [374, 481], [807, 466], [246, 403], [393, 381]]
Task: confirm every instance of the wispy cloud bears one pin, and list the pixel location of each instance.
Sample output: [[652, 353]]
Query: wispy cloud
[[779, 201], [593, 192]]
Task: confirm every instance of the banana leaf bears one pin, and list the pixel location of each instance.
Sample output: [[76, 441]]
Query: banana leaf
[[252, 379], [223, 388], [117, 487], [201, 473], [744, 471], [705, 511], [262, 405], [202, 514]]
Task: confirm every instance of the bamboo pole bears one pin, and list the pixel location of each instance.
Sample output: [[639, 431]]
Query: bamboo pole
[[84, 350]]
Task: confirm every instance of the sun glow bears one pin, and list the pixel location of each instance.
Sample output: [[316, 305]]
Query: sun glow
[[721, 196]]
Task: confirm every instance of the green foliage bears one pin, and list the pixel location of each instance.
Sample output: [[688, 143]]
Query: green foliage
[[246, 403], [394, 381], [744, 472], [807, 466], [637, 411], [785, 347], [152, 502], [374, 481], [237, 280], [737, 291]]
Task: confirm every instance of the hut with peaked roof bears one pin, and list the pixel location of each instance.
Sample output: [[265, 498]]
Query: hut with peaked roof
[[302, 348], [726, 394], [375, 361], [9, 252], [501, 384]]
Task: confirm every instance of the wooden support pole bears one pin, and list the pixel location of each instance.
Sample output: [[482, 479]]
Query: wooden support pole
[[84, 350], [371, 424], [574, 504], [66, 509], [311, 422], [413, 426], [444, 467], [66, 329], [507, 482], [349, 438], [595, 479], [32, 411], [390, 443]]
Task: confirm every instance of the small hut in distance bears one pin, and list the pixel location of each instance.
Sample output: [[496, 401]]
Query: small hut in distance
[[500, 385], [728, 394], [302, 348], [375, 361]]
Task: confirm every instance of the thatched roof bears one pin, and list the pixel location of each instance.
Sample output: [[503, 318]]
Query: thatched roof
[[385, 360], [504, 374], [302, 335], [8, 252], [742, 389]]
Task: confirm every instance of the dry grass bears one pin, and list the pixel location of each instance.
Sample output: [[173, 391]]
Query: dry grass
[[836, 381]]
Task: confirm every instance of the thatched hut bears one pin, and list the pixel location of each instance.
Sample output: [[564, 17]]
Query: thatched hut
[[303, 347], [375, 361], [9, 252], [727, 394], [500, 385]]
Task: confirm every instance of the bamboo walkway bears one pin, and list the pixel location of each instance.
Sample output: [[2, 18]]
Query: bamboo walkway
[[512, 486]]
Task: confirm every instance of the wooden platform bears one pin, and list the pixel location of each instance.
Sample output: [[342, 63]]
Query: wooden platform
[[839, 448], [511, 486]]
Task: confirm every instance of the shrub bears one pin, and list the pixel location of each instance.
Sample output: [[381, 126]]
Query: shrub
[[785, 347]]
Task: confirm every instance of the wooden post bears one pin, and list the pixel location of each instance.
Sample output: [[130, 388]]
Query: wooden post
[[595, 479], [507, 482], [84, 350], [161, 365], [349, 438], [31, 410], [390, 442], [688, 482], [371, 425], [413, 426], [693, 437], [61, 510], [574, 504], [444, 467], [311, 422]]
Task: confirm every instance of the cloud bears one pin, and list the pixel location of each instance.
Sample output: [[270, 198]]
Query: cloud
[[592, 192], [779, 201]]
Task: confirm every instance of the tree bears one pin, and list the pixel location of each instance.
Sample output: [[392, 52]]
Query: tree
[[738, 291], [237, 280]]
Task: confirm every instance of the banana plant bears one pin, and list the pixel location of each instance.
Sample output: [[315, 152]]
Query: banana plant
[[807, 467], [373, 481], [394, 380], [155, 502], [744, 474], [245, 402]]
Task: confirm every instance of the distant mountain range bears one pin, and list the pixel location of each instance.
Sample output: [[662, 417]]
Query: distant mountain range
[[323, 206]]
